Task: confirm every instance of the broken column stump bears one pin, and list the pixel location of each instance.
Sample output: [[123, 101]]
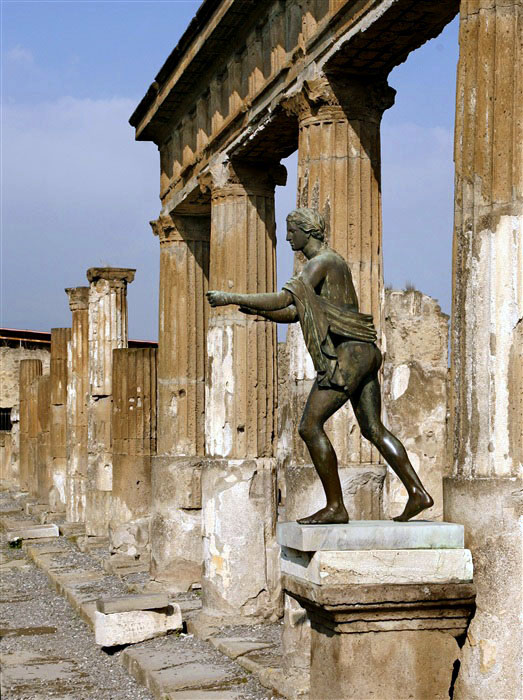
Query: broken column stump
[[107, 332], [386, 620], [133, 430], [77, 393]]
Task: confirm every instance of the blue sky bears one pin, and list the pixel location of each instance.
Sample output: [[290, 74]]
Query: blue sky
[[78, 191]]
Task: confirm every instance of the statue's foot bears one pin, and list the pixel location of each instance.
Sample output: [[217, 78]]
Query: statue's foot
[[418, 501], [326, 516]]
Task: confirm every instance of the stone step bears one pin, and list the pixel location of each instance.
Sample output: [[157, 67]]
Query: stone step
[[31, 532]]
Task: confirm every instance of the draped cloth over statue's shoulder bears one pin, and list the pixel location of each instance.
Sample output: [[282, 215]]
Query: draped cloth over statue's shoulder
[[319, 318]]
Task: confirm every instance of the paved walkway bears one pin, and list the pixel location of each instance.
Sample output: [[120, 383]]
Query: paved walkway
[[48, 651]]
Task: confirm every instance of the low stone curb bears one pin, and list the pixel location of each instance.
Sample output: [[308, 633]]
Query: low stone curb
[[245, 651]]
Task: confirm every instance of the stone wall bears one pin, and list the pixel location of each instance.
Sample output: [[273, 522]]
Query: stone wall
[[415, 378], [10, 366]]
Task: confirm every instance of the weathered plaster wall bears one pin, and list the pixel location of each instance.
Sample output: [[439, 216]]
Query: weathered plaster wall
[[10, 367], [415, 381]]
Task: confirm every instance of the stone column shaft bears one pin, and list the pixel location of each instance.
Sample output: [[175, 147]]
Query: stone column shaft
[[484, 492], [488, 244], [176, 544], [43, 452], [133, 428], [107, 332], [29, 370], [184, 311], [77, 393], [32, 436], [242, 375], [60, 338], [241, 575]]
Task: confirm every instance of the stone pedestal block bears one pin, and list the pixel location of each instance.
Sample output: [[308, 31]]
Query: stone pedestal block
[[416, 603], [241, 572], [176, 521], [492, 656]]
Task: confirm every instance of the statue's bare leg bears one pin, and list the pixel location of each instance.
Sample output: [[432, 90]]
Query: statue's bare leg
[[321, 404], [366, 402]]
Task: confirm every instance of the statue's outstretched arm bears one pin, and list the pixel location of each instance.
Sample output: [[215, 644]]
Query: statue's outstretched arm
[[261, 302], [287, 315]]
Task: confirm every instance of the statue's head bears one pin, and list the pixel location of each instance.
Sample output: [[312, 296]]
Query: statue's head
[[310, 221]]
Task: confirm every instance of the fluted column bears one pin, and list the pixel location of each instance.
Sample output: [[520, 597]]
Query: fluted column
[[176, 547], [29, 370], [241, 385], [77, 392], [43, 440], [133, 429], [239, 476], [183, 317], [60, 338], [107, 332], [484, 492]]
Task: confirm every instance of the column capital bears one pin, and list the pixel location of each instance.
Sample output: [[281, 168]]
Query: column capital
[[243, 178], [342, 96], [116, 275], [78, 298], [181, 228]]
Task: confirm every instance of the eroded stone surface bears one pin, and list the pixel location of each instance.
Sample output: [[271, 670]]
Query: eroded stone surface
[[135, 626], [379, 566]]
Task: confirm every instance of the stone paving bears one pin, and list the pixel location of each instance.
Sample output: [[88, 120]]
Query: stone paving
[[48, 649]]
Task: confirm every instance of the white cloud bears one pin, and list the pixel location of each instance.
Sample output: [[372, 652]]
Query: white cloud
[[19, 55], [78, 191]]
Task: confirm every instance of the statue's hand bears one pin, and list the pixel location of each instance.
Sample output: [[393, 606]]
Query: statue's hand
[[248, 311], [218, 298]]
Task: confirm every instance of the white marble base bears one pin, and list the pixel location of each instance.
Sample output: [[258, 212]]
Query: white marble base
[[371, 535], [393, 566], [136, 626]]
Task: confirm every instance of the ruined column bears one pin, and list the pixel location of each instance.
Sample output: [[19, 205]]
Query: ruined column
[[484, 492], [29, 370], [240, 403], [107, 332], [339, 174], [32, 436], [77, 392], [133, 429], [176, 541], [60, 338], [43, 439]]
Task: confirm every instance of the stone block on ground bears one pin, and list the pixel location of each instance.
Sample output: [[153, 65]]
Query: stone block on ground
[[32, 532], [129, 603], [135, 626], [72, 529]]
